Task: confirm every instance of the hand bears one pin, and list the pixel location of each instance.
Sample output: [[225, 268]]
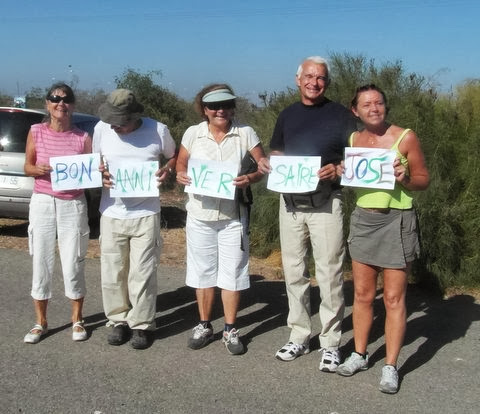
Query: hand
[[42, 169], [340, 168], [327, 172], [162, 174], [106, 176], [242, 181], [400, 172], [264, 165], [183, 178]]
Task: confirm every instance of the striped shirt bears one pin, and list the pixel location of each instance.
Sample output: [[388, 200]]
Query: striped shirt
[[50, 143]]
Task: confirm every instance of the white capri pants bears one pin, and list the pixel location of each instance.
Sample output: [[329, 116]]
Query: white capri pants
[[51, 217], [214, 254]]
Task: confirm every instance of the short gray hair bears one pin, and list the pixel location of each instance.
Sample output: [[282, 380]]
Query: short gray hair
[[315, 59]]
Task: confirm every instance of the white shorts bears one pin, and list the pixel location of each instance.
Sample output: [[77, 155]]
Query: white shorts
[[214, 254]]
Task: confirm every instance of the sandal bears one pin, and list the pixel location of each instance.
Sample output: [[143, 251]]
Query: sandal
[[35, 334], [81, 334]]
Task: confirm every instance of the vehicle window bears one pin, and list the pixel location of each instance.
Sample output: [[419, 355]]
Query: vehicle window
[[14, 127], [86, 126]]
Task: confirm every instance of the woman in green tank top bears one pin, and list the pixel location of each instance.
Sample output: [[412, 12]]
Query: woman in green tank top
[[383, 234]]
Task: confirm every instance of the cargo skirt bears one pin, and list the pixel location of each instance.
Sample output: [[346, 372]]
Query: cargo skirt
[[385, 238]]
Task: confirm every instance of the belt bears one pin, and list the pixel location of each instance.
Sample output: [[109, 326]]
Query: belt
[[377, 210]]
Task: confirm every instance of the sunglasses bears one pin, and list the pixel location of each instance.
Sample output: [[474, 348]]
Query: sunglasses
[[57, 99], [215, 106]]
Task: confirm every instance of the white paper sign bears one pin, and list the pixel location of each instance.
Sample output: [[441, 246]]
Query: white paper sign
[[369, 167], [293, 174], [212, 178], [133, 179], [73, 172]]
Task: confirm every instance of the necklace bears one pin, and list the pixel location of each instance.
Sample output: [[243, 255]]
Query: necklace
[[372, 140]]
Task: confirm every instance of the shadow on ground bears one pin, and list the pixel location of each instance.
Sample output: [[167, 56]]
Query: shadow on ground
[[435, 320]]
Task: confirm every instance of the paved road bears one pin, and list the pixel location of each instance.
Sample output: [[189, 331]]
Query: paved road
[[440, 362]]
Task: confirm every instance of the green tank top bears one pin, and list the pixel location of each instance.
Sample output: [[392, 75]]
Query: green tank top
[[398, 198]]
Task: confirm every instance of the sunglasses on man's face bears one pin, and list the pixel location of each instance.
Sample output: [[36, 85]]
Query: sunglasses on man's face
[[57, 99], [215, 106]]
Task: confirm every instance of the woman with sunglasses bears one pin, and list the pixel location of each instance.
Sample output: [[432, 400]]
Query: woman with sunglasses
[[53, 214], [217, 236]]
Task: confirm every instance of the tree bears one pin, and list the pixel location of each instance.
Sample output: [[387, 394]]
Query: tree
[[6, 100], [159, 103]]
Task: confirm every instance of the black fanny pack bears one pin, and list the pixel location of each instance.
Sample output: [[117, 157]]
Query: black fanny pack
[[309, 201]]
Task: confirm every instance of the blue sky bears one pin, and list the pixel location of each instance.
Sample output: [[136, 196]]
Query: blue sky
[[254, 45]]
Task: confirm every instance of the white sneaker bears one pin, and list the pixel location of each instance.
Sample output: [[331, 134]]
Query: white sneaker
[[330, 360], [389, 381], [290, 351], [354, 363]]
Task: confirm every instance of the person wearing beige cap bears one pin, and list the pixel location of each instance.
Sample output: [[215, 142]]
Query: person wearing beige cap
[[130, 240], [217, 228]]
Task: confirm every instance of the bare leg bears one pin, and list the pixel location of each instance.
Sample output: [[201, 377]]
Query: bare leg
[[205, 298], [365, 286], [395, 288], [77, 306], [41, 312], [231, 301]]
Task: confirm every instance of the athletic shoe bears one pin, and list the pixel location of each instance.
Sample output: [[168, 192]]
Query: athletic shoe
[[354, 363], [389, 381], [290, 351], [201, 337], [119, 335], [232, 342], [330, 360]]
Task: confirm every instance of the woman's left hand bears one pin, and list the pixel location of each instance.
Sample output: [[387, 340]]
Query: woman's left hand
[[400, 172]]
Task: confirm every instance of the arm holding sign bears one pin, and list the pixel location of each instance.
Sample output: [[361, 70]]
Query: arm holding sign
[[328, 172], [164, 172], [31, 168], [182, 166], [416, 178], [106, 176]]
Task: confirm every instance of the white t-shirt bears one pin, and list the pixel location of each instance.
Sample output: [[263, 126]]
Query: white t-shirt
[[146, 143], [200, 144]]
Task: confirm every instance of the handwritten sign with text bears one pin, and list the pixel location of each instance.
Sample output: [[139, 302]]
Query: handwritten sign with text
[[73, 172], [369, 167], [293, 174], [133, 179], [212, 178]]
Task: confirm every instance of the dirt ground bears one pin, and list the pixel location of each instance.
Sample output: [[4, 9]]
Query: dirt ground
[[14, 235]]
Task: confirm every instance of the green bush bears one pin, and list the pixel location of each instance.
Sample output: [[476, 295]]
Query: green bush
[[448, 128]]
